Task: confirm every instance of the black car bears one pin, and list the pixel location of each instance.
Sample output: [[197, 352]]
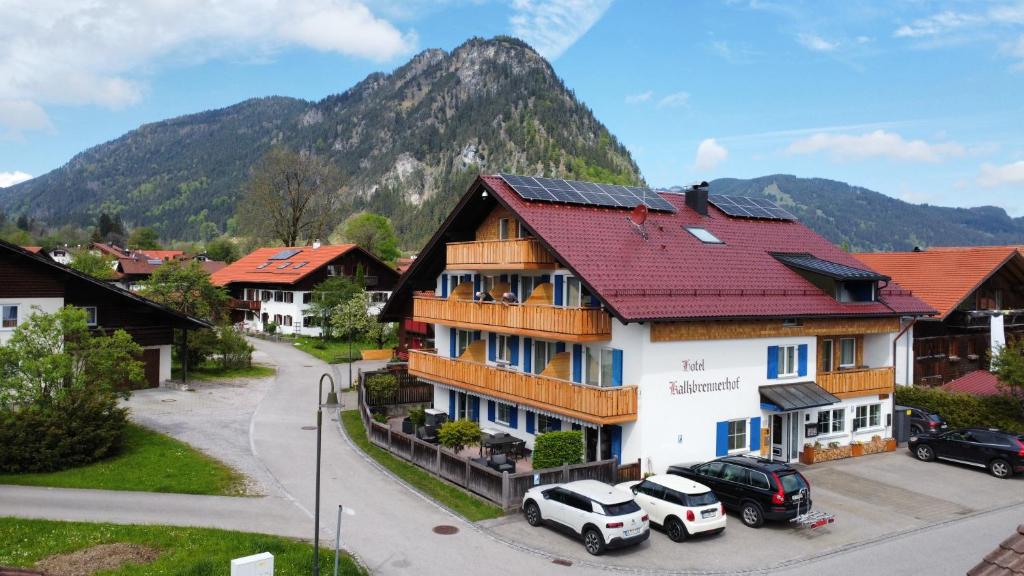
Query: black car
[[999, 451], [756, 488], [922, 420]]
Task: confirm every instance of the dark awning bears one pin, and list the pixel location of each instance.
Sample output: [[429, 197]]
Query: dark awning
[[797, 396]]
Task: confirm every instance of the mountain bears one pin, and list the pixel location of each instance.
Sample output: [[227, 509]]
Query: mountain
[[407, 144], [866, 220]]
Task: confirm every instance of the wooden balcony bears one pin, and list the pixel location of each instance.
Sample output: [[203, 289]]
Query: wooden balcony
[[859, 382], [519, 254], [588, 403], [535, 321], [237, 304]]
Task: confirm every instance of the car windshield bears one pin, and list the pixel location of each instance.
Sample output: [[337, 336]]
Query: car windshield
[[701, 499], [792, 482], [621, 508]]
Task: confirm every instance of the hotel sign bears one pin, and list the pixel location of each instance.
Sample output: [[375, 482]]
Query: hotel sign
[[682, 388]]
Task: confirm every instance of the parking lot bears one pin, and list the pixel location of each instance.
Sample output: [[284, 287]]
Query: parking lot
[[871, 497]]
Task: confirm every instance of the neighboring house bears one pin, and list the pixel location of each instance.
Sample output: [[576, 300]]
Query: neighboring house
[[61, 255], [37, 250], [139, 266], [275, 285], [979, 293], [979, 383], [672, 334], [32, 281], [1006, 560]]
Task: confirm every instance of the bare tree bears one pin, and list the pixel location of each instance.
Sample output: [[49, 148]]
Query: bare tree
[[290, 197]]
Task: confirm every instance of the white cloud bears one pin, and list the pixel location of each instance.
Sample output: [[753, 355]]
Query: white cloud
[[876, 144], [101, 52], [941, 23], [552, 26], [639, 98], [676, 100], [17, 116], [993, 175], [12, 178], [816, 43], [709, 155]]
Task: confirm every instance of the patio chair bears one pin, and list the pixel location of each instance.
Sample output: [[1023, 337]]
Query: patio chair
[[501, 463], [427, 434]]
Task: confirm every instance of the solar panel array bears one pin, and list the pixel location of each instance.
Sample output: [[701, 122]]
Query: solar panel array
[[284, 254], [585, 193], [746, 207]]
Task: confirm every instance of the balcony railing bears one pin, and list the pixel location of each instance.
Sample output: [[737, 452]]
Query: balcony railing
[[237, 304], [519, 254], [859, 382], [588, 403], [539, 321]]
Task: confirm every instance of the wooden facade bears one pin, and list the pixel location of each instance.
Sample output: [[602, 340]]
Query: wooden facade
[[516, 254], [858, 382], [540, 321], [735, 329], [588, 403]]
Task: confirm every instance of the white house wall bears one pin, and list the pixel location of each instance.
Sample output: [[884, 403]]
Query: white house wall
[[26, 307], [905, 358]]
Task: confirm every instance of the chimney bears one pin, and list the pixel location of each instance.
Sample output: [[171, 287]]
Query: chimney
[[697, 198], [316, 244]]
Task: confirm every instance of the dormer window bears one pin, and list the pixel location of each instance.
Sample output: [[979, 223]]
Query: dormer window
[[703, 235], [854, 291], [842, 282]]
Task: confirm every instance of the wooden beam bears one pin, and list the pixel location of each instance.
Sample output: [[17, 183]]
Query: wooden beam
[[734, 329]]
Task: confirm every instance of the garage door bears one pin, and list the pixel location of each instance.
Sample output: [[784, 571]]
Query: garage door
[[151, 360]]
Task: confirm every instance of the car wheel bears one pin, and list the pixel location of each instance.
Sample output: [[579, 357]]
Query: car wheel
[[675, 529], [924, 453], [1000, 468], [532, 512], [593, 541], [752, 515]]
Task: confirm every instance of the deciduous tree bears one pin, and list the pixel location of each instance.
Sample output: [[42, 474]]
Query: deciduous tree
[[373, 233], [94, 264], [144, 238], [222, 249]]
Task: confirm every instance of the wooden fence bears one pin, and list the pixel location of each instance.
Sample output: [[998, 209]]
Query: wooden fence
[[410, 390], [504, 489]]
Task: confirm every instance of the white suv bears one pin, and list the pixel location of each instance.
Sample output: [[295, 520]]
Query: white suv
[[604, 516], [679, 505]]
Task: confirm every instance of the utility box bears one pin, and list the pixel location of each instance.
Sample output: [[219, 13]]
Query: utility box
[[255, 565], [901, 425]]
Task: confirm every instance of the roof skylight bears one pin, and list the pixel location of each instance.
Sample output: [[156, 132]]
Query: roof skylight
[[283, 266], [262, 266], [703, 235]]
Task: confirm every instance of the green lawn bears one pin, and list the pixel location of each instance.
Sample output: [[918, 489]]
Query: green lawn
[[336, 351], [185, 551], [149, 462], [212, 371], [454, 498]]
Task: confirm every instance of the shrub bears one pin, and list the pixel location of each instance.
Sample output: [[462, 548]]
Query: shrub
[[270, 328], [235, 351], [552, 449], [457, 434], [380, 417], [381, 386], [418, 416], [965, 410]]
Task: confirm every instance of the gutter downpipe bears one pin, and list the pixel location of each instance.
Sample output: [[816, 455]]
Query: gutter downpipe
[[895, 341]]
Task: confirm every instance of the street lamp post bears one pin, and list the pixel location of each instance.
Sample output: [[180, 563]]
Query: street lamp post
[[319, 426]]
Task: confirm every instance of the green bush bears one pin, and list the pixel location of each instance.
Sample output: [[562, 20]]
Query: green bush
[[418, 416], [965, 410], [552, 449], [235, 351], [382, 386], [270, 328], [457, 434]]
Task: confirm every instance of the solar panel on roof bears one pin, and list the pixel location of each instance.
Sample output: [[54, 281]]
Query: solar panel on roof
[[585, 193], [746, 207], [285, 254]]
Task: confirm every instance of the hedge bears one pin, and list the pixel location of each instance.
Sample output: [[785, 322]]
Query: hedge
[[966, 410], [552, 449]]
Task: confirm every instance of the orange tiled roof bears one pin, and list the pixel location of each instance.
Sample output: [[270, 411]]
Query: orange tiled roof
[[32, 249], [248, 268], [942, 277], [164, 255]]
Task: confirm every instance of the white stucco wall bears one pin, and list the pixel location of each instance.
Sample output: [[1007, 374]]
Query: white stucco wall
[[878, 349], [26, 307], [905, 358], [165, 361]]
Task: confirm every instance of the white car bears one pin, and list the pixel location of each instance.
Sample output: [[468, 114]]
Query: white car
[[604, 516], [680, 506]]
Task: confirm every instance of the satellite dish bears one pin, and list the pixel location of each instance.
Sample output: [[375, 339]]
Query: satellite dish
[[639, 214]]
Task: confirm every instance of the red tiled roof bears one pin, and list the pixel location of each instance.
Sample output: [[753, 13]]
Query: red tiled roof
[[673, 275], [979, 383], [1006, 560], [247, 268], [164, 255], [32, 249], [136, 266], [109, 249], [942, 277]]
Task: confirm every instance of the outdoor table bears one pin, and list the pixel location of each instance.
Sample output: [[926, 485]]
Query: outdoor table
[[504, 444]]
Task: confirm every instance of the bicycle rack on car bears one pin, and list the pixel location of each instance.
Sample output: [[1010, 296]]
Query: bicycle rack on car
[[810, 519]]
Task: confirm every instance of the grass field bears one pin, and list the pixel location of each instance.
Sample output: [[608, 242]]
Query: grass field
[[149, 462], [210, 371], [454, 498], [336, 351], [184, 551]]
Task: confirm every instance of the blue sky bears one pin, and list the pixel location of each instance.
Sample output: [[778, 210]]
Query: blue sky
[[919, 100]]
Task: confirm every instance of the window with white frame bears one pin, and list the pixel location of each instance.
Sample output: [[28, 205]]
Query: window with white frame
[[503, 353], [90, 315], [463, 339], [503, 415], [831, 421], [867, 416], [737, 435], [542, 354], [573, 292], [527, 284], [547, 424], [9, 316], [521, 231], [787, 361], [599, 366], [504, 227], [847, 352]]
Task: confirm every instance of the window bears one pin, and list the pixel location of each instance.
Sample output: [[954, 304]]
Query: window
[[299, 265], [521, 231], [792, 323], [542, 354], [283, 266], [503, 353], [827, 355], [379, 297], [310, 321], [527, 284], [289, 297], [831, 421], [759, 480], [712, 469], [307, 297], [286, 321], [787, 361], [503, 228], [503, 414], [90, 315], [737, 435], [262, 266], [332, 270], [847, 352], [463, 340], [547, 424], [277, 319], [9, 315], [734, 473], [867, 416], [250, 294], [606, 367], [651, 489], [599, 367], [703, 235], [268, 295]]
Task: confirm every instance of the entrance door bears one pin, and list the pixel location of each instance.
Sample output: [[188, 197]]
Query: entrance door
[[779, 427], [590, 439], [794, 436], [151, 366]]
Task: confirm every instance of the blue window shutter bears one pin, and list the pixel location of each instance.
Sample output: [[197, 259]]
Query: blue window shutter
[[722, 438], [617, 443], [559, 347], [476, 285], [801, 353], [773, 362], [513, 342], [513, 418], [577, 363], [527, 354], [515, 284], [529, 422], [755, 434], [474, 408], [490, 410], [453, 336], [444, 285], [451, 404], [492, 346], [616, 367], [559, 280]]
